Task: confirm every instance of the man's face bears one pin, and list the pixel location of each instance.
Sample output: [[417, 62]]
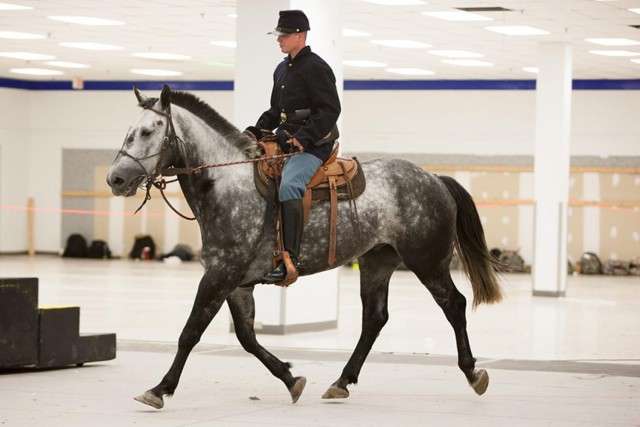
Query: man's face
[[289, 42]]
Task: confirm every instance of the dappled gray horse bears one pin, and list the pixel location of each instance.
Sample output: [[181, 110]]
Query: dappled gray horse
[[406, 215]]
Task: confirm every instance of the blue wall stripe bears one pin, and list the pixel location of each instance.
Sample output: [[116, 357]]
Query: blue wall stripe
[[206, 85]]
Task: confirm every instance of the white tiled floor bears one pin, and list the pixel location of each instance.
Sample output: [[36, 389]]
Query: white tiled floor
[[149, 301]]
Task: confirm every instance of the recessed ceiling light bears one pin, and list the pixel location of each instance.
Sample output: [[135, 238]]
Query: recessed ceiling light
[[467, 62], [458, 16], [410, 71], [36, 71], [517, 30], [456, 53], [614, 53], [85, 20], [635, 10], [20, 36], [402, 44], [63, 64], [91, 46], [614, 42], [156, 72], [347, 32], [232, 44], [363, 63], [233, 15], [637, 61], [534, 70], [162, 55], [27, 56], [9, 6], [397, 2]]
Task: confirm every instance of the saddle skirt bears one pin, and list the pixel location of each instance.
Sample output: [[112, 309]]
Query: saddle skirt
[[339, 178]]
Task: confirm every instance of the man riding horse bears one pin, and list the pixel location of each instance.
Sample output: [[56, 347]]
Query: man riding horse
[[304, 111]]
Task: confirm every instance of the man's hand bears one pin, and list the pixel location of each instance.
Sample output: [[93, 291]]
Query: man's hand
[[253, 132], [293, 141]]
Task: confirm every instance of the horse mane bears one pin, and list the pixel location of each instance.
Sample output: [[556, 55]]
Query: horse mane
[[211, 117]]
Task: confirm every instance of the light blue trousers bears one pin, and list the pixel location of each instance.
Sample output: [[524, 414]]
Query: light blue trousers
[[296, 174]]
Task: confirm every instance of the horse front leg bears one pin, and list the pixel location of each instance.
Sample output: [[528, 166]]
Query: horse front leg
[[242, 307], [208, 301]]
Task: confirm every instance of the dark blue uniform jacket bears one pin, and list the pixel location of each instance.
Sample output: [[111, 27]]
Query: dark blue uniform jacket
[[306, 82]]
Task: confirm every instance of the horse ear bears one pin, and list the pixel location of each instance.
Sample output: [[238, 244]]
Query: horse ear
[[165, 97], [141, 98]]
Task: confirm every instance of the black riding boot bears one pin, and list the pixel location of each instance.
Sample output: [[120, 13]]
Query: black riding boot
[[292, 225]]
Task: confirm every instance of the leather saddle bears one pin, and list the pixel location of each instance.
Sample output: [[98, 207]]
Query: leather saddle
[[338, 178]]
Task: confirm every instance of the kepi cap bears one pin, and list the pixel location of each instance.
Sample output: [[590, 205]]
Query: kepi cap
[[291, 21]]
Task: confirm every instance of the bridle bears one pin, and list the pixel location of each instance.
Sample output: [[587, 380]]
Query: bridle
[[155, 178]]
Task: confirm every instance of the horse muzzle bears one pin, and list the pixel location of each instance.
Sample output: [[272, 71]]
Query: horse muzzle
[[123, 186]]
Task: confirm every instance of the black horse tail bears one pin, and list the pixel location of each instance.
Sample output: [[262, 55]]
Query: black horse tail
[[477, 262]]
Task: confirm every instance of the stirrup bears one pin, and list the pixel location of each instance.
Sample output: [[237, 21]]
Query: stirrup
[[292, 271]]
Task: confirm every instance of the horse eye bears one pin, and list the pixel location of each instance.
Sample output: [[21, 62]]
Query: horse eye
[[145, 132]]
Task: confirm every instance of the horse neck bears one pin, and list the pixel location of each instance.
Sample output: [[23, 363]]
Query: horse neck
[[201, 146], [201, 143]]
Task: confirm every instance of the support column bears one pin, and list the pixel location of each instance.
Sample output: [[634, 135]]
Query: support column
[[312, 302], [551, 169]]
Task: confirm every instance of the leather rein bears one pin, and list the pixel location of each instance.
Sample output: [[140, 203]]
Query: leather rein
[[155, 177]]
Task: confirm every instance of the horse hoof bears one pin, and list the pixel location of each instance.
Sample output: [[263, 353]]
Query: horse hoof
[[148, 398], [297, 388], [336, 393], [481, 382]]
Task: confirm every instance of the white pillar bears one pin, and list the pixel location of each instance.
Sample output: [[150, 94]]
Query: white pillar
[[551, 168], [312, 302]]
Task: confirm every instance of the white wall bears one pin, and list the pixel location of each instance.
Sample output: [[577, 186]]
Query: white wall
[[15, 184], [36, 126], [604, 123]]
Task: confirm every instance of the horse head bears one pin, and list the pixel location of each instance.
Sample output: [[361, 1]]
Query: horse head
[[146, 149]]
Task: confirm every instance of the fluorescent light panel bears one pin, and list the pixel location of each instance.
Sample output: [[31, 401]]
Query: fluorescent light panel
[[36, 71], [162, 55], [91, 46], [10, 6], [517, 30], [15, 35], [456, 53], [156, 72], [410, 71], [635, 10], [636, 61], [27, 56], [363, 63], [467, 62], [401, 44], [614, 42], [614, 53], [86, 20], [534, 70], [458, 16], [64, 64]]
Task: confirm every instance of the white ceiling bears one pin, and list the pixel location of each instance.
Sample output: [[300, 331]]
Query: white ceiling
[[186, 27]]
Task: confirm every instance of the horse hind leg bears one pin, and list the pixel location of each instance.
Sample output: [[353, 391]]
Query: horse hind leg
[[376, 268], [242, 307], [454, 304]]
